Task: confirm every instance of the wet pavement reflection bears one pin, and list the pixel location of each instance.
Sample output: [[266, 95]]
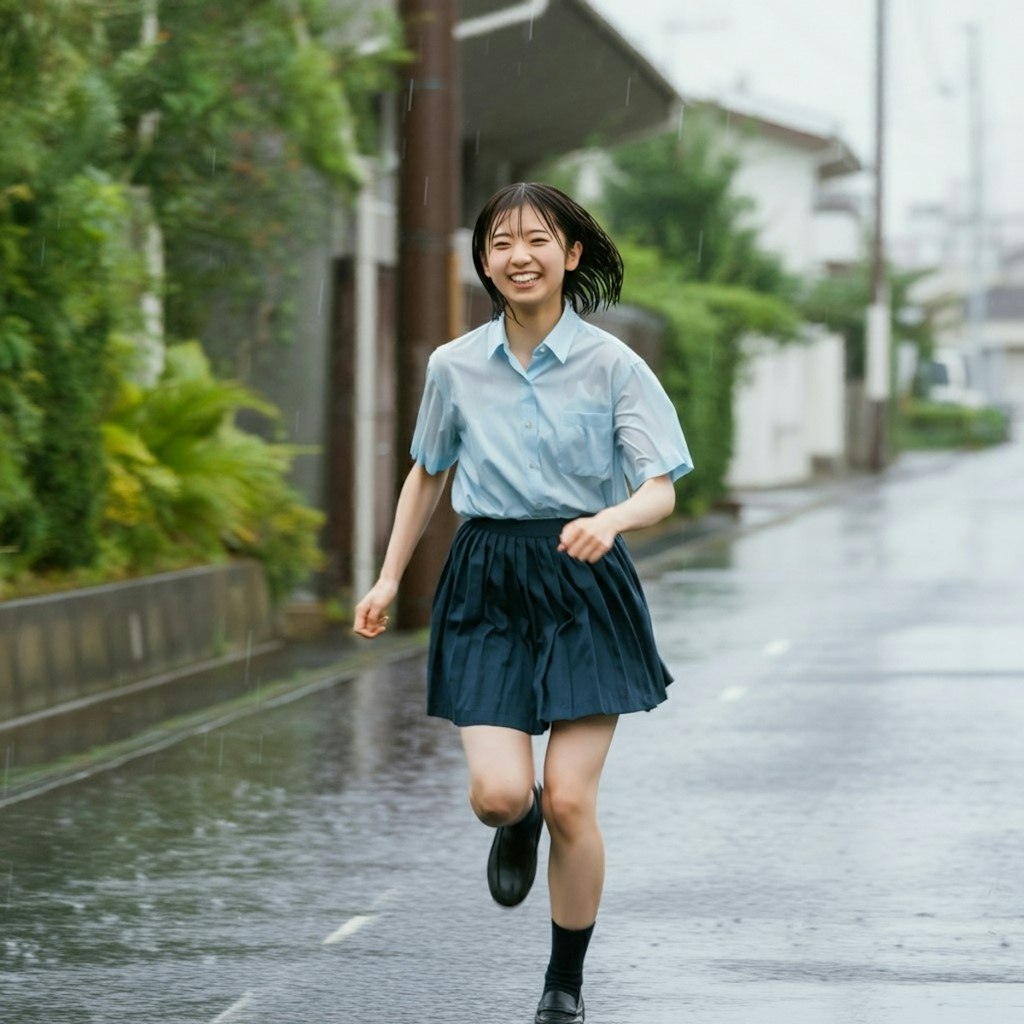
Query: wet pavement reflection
[[823, 824]]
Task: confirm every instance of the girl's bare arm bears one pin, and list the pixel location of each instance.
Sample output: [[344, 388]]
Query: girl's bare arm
[[416, 504], [591, 537]]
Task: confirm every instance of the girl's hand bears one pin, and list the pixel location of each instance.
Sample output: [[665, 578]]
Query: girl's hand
[[371, 617], [589, 538]]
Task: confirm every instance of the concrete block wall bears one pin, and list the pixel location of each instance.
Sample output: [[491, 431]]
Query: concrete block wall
[[63, 647], [790, 407]]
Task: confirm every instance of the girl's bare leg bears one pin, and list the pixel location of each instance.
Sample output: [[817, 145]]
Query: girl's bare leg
[[501, 773], [572, 771]]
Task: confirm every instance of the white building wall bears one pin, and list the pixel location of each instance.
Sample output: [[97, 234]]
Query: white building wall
[[1004, 356], [825, 412], [783, 181], [1013, 379], [838, 237], [769, 417], [789, 409]]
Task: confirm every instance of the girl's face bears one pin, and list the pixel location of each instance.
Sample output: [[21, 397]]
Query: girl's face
[[527, 262]]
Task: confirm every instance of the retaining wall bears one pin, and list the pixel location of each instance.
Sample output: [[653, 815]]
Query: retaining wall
[[64, 647]]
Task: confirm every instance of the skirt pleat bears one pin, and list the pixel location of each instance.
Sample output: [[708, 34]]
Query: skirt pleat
[[522, 635]]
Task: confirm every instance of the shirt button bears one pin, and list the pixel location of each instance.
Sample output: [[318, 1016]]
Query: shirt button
[[527, 424], [532, 465], [542, 348]]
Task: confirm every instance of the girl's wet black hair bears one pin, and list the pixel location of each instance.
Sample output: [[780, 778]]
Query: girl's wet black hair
[[596, 281]]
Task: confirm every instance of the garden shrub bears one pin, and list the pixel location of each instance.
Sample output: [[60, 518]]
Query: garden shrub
[[921, 424]]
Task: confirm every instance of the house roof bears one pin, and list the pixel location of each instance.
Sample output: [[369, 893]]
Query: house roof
[[539, 79], [838, 158], [556, 83]]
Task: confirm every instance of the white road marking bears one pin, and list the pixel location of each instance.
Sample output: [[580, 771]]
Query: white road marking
[[350, 927], [733, 693], [384, 898], [234, 1008], [776, 648]]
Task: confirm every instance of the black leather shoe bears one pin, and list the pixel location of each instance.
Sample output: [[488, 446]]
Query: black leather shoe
[[558, 1007], [512, 864]]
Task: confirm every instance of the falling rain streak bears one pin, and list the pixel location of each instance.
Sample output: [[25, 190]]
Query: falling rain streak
[[412, 88], [213, 161], [320, 300], [426, 189], [629, 87], [234, 1008]]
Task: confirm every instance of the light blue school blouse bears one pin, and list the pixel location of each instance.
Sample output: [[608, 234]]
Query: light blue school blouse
[[556, 440]]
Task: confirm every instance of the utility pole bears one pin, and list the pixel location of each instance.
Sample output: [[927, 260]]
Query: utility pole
[[976, 297], [878, 317], [428, 193]]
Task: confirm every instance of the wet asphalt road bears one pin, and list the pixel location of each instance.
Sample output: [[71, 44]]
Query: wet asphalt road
[[823, 824]]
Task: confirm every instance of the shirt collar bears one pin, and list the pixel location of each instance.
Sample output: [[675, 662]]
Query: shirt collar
[[558, 342]]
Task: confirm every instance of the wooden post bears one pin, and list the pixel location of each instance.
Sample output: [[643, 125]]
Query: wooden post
[[428, 192]]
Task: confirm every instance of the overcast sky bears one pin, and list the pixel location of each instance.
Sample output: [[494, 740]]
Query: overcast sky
[[818, 57]]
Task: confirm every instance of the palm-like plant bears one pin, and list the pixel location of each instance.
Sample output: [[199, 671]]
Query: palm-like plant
[[184, 478]]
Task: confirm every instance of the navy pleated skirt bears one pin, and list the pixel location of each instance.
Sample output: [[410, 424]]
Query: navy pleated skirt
[[522, 635]]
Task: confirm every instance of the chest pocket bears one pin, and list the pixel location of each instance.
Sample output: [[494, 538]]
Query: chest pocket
[[585, 444]]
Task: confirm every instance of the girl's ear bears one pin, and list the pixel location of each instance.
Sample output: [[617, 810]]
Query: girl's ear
[[572, 255], [483, 264]]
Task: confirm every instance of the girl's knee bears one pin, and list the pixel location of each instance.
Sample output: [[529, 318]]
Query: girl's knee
[[497, 803], [567, 810]]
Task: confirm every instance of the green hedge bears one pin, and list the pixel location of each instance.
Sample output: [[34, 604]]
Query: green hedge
[[705, 324], [934, 425]]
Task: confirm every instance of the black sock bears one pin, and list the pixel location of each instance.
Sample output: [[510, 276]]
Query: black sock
[[568, 949]]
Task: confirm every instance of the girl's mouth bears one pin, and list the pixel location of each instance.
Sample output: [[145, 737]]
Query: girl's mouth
[[524, 279]]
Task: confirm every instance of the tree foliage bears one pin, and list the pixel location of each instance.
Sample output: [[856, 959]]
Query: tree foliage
[[692, 257], [704, 326], [184, 480], [219, 125], [676, 194], [840, 303]]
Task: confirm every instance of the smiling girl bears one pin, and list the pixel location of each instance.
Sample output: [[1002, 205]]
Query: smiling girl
[[564, 440]]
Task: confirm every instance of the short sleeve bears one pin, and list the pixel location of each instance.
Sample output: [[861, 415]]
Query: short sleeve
[[647, 431], [435, 441]]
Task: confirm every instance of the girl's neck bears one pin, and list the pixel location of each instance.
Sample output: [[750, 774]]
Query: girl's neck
[[529, 328]]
